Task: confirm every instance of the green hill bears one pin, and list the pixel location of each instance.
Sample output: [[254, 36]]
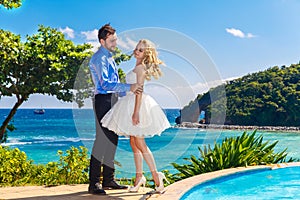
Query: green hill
[[267, 98]]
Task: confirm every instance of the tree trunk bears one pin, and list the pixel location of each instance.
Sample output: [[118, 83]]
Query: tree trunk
[[8, 119]]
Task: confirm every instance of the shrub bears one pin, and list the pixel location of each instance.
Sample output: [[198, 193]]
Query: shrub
[[15, 169], [74, 165], [244, 150]]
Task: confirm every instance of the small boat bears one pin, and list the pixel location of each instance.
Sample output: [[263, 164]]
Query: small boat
[[39, 111]]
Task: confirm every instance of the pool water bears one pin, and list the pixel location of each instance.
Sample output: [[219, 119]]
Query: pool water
[[282, 183]]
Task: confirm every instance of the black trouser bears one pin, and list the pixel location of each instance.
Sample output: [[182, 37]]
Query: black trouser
[[106, 141]]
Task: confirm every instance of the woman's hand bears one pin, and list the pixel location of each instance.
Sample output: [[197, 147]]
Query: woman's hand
[[135, 118]]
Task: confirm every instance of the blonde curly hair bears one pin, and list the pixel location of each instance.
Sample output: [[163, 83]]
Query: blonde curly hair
[[150, 60]]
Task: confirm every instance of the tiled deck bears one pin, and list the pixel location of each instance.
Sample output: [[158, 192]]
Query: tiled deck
[[67, 192]]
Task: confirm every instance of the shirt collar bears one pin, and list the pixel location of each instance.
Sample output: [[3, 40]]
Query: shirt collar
[[105, 51]]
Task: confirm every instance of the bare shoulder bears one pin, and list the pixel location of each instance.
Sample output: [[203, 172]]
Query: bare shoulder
[[139, 69]]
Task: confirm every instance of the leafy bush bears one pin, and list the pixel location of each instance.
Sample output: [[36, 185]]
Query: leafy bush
[[74, 165], [244, 150], [71, 168], [15, 169]]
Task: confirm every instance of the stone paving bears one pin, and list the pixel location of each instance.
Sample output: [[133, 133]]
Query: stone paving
[[67, 192], [76, 192]]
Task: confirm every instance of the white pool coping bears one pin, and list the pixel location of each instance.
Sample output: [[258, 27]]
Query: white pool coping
[[176, 190]]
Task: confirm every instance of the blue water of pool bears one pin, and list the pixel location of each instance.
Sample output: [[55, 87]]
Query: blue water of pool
[[282, 183]]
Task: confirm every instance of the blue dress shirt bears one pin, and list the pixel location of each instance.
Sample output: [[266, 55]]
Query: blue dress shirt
[[105, 73]]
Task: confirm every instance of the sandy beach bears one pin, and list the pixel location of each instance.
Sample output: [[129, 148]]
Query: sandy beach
[[67, 192]]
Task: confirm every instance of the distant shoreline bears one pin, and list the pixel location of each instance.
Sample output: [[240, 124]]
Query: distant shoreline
[[238, 127]]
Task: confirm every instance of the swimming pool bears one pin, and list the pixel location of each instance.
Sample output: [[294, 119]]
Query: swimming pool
[[280, 183]]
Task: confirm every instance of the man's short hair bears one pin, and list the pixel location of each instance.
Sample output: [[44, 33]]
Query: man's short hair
[[105, 31]]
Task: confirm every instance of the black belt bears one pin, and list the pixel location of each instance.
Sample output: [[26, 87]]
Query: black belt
[[107, 94]]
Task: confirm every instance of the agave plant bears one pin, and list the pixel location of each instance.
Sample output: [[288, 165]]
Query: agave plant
[[244, 150]]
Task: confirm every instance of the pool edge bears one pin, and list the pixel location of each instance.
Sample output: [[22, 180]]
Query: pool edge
[[176, 190]]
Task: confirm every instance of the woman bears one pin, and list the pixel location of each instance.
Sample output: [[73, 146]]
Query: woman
[[138, 115]]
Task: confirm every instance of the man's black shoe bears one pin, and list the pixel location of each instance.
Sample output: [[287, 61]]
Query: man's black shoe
[[96, 189], [113, 185]]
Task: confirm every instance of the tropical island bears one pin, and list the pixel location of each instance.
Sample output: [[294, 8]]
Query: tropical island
[[267, 100]]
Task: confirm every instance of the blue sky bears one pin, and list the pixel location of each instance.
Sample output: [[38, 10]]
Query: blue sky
[[239, 37]]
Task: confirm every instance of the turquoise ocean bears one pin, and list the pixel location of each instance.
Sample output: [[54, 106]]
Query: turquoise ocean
[[41, 136]]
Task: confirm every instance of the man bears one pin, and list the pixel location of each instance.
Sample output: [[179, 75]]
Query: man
[[106, 80]]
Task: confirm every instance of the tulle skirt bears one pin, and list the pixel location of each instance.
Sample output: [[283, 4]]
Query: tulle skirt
[[153, 120]]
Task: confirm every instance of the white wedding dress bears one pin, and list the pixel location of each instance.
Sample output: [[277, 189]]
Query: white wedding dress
[[119, 118]]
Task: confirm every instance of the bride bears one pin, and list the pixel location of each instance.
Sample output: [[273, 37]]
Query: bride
[[138, 115]]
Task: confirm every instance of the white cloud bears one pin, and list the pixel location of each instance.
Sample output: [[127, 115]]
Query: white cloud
[[95, 45], [68, 31], [239, 33], [250, 35], [90, 35], [127, 44]]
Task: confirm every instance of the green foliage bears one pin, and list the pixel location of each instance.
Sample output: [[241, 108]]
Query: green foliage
[[122, 75], [46, 63], [242, 151], [120, 57], [74, 165], [15, 169], [9, 4], [271, 97], [71, 168], [83, 85], [267, 98]]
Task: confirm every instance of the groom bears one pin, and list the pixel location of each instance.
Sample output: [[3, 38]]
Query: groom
[[106, 80]]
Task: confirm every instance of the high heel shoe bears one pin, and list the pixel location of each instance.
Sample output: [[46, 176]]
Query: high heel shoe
[[142, 181], [161, 178]]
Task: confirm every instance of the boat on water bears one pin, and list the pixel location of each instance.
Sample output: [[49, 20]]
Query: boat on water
[[39, 111]]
